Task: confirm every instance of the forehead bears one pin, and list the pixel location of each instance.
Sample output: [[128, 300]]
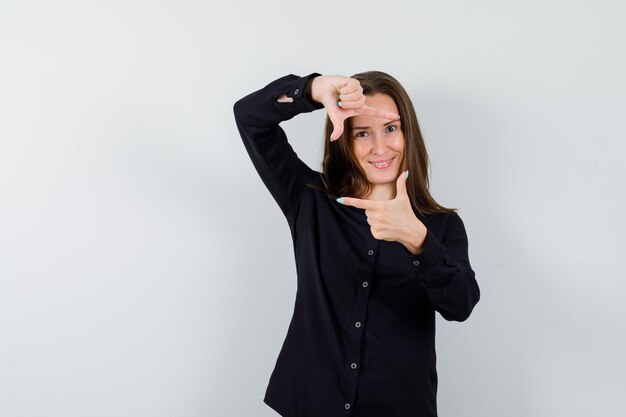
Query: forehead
[[379, 101]]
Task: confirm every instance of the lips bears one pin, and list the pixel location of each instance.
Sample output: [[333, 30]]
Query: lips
[[382, 164]]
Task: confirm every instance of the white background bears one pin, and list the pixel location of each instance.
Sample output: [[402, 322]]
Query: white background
[[139, 273]]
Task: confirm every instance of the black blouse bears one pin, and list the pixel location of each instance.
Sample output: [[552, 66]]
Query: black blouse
[[361, 341]]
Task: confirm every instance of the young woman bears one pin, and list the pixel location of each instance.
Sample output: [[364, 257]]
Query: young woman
[[376, 255]]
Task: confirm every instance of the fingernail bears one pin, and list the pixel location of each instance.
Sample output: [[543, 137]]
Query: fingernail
[[341, 200], [407, 174], [340, 103], [398, 116]]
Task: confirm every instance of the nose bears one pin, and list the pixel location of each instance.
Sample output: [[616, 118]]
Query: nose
[[379, 145]]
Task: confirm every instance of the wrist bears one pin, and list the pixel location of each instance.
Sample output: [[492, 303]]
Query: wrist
[[311, 89], [414, 242]]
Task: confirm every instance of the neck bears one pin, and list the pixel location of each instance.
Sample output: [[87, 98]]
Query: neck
[[381, 192]]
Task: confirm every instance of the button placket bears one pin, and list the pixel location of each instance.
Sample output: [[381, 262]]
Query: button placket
[[365, 270]]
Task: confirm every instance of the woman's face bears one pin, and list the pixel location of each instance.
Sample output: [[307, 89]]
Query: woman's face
[[378, 143]]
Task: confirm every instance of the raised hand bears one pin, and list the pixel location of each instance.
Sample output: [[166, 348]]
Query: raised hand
[[393, 220], [343, 97]]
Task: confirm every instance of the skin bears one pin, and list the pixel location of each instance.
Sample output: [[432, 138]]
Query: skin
[[378, 137], [393, 220], [375, 139], [387, 206]]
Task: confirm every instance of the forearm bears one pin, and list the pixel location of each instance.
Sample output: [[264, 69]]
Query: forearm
[[278, 101], [445, 272], [308, 93]]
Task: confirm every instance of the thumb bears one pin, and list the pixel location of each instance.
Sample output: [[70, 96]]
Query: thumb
[[401, 184], [337, 122]]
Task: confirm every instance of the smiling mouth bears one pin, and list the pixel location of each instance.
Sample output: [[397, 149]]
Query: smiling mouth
[[383, 164]]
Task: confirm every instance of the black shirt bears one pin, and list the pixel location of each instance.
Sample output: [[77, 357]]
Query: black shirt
[[361, 341]]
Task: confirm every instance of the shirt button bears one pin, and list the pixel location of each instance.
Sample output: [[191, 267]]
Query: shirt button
[[296, 91], [370, 252], [416, 263], [347, 406], [357, 324], [353, 365], [365, 284]]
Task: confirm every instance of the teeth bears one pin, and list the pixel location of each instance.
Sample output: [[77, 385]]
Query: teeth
[[381, 164]]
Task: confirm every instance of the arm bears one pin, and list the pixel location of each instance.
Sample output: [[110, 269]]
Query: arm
[[257, 116], [445, 271], [442, 267]]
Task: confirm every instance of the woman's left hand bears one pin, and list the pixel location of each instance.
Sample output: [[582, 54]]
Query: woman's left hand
[[393, 220]]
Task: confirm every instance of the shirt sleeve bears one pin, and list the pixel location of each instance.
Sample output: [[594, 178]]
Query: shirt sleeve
[[257, 116], [445, 271]]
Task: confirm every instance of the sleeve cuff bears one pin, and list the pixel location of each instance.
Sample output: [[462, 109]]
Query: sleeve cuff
[[430, 256], [296, 90]]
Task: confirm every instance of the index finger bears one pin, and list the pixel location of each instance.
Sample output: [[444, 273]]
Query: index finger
[[357, 202], [376, 112]]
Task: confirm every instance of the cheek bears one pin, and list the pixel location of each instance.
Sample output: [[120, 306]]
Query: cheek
[[397, 144], [360, 150]]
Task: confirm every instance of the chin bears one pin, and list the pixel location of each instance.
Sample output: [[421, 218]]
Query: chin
[[381, 178], [378, 177], [383, 181]]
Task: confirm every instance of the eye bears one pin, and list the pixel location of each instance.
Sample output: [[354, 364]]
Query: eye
[[392, 128], [361, 134]]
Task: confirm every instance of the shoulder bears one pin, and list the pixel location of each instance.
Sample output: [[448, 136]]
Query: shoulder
[[445, 223], [441, 218]]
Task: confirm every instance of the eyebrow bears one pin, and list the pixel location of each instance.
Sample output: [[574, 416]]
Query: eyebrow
[[367, 127]]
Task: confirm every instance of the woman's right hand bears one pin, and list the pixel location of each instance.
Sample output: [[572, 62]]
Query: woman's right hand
[[330, 90]]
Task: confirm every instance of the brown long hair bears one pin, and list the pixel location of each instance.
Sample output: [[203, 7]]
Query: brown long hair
[[343, 176]]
